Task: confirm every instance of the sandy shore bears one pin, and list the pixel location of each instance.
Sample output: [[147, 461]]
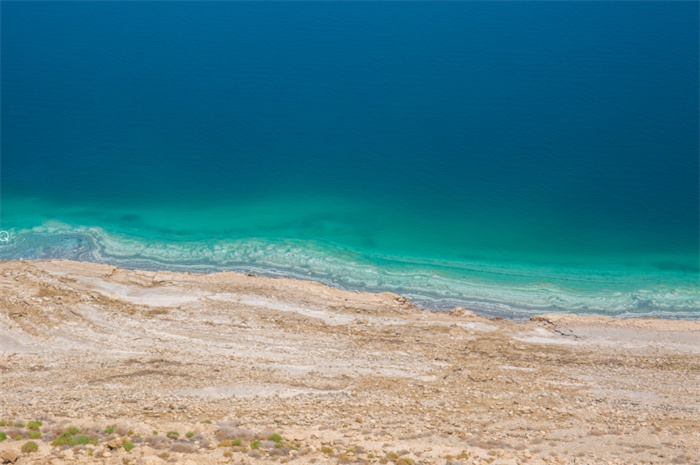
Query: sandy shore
[[307, 374]]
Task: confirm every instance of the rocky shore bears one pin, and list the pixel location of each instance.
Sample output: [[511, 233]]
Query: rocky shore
[[110, 366]]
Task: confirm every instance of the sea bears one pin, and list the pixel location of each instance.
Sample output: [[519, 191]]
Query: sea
[[513, 158]]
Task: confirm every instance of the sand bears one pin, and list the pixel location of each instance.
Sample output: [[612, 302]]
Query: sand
[[341, 377]]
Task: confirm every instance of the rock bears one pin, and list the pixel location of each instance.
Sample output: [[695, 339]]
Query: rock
[[114, 444], [462, 313], [9, 455]]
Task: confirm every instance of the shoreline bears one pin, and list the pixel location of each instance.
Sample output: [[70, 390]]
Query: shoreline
[[342, 376], [514, 290]]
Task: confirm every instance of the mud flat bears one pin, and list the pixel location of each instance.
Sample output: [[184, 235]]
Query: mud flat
[[252, 370]]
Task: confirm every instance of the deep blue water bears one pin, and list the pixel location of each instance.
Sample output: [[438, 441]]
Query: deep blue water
[[513, 157]]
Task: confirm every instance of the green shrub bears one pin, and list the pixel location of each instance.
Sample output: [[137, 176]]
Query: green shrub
[[3, 423], [29, 447], [34, 425], [172, 434], [208, 422], [19, 424], [155, 433], [62, 440], [275, 437], [189, 434], [3, 436], [128, 446], [109, 429], [79, 440], [73, 430], [35, 435], [327, 450], [236, 442], [18, 437], [254, 445]]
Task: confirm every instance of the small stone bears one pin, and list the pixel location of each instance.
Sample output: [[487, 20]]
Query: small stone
[[114, 444]]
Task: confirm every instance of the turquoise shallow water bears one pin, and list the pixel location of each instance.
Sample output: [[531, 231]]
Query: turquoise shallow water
[[513, 158], [510, 283]]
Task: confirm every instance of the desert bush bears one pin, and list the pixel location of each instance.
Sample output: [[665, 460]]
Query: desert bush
[[189, 434], [233, 432], [35, 435], [29, 447], [34, 425], [79, 440], [128, 446], [182, 446], [109, 430], [121, 430], [255, 453], [62, 439], [57, 430], [172, 434], [280, 451], [93, 431], [19, 424], [156, 442], [254, 445], [3, 422], [275, 437], [3, 436], [204, 442], [73, 430], [13, 432]]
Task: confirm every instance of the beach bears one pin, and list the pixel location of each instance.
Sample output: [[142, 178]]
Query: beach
[[250, 369]]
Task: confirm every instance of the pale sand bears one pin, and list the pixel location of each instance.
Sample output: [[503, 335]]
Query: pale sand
[[345, 377]]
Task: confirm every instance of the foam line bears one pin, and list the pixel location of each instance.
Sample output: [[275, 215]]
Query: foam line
[[502, 289]]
